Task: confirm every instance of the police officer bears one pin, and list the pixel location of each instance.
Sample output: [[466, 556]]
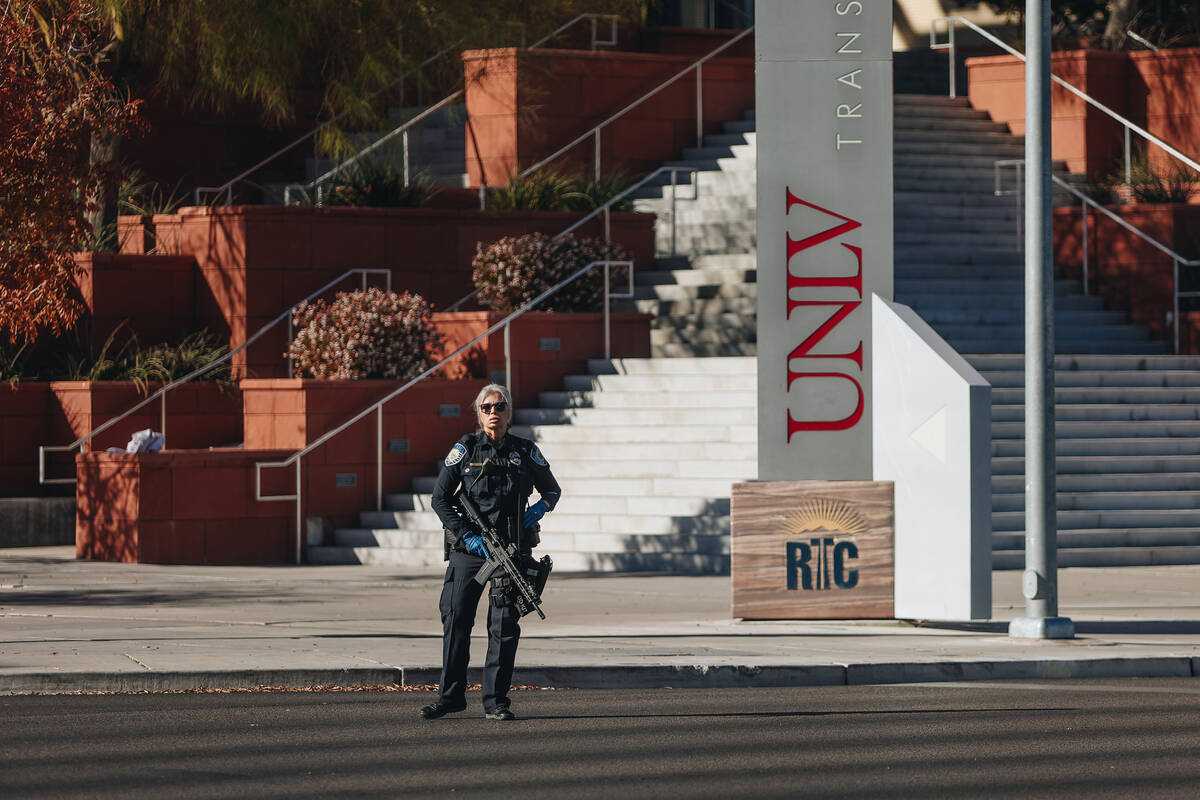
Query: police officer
[[498, 471]]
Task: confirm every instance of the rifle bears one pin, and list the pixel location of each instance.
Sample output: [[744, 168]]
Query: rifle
[[501, 556]]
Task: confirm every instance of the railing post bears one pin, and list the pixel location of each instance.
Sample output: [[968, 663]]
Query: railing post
[[597, 155], [1084, 209], [953, 81], [607, 312], [404, 141], [379, 457], [162, 418], [699, 106], [509, 378], [674, 176], [299, 511], [1175, 292], [1128, 160]]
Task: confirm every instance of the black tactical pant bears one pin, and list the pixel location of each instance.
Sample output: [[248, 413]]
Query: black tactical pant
[[460, 600]]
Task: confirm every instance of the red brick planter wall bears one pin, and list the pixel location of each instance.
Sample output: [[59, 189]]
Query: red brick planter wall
[[59, 412], [291, 413], [181, 508], [1130, 273], [1164, 99], [25, 411], [155, 296], [579, 337], [570, 91], [198, 414], [1156, 90], [254, 261]]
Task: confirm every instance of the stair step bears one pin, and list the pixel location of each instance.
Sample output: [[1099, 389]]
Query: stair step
[[1010, 521], [1106, 557], [1170, 501], [1145, 446], [1145, 481]]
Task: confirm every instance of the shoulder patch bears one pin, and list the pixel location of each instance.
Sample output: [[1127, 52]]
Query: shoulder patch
[[537, 457], [455, 455]]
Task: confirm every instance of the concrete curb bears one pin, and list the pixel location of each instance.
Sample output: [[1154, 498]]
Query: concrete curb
[[617, 677]]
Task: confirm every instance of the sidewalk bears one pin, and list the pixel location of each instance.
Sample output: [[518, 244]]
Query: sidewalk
[[70, 625]]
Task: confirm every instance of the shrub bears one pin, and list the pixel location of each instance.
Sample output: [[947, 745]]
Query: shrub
[[514, 270], [1173, 184], [364, 334], [550, 190], [373, 183]]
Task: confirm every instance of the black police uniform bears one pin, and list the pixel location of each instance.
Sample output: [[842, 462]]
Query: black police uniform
[[499, 479]]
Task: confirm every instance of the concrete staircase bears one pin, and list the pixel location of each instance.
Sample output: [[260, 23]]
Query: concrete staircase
[[646, 451], [436, 150], [1128, 475]]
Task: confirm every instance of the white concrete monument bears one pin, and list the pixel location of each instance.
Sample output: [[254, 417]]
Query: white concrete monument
[[933, 441]]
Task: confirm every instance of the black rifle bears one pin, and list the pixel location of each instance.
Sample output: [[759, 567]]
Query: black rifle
[[501, 555]]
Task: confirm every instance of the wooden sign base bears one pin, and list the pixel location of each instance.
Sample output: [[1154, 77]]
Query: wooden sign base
[[813, 550]]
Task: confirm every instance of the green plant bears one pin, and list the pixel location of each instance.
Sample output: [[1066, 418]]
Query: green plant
[[548, 189], [121, 359], [80, 363], [512, 271], [168, 362], [374, 183], [369, 333], [1174, 184], [135, 195], [12, 362], [599, 190], [543, 190]]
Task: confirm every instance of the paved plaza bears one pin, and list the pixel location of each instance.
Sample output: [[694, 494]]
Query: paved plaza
[[73, 625]]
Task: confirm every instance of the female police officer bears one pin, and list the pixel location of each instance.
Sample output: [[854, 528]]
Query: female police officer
[[498, 472]]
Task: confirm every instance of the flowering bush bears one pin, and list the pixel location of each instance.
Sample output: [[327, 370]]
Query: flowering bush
[[514, 270], [364, 334]]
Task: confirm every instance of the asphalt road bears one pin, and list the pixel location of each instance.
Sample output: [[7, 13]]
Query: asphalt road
[[1031, 739]]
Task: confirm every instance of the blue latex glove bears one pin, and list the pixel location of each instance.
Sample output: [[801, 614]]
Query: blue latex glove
[[534, 513], [474, 543]]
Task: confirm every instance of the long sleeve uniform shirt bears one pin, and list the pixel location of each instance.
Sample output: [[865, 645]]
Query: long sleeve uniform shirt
[[499, 479]]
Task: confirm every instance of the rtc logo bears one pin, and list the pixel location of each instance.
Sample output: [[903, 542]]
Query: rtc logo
[[842, 309], [822, 562]]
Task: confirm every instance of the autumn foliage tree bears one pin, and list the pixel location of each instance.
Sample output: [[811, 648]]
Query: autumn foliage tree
[[55, 105]]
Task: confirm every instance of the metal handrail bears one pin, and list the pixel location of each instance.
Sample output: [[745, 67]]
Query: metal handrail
[[1176, 259], [403, 129], [1128, 125], [227, 187], [606, 210], [377, 406], [595, 131], [162, 392], [612, 39]]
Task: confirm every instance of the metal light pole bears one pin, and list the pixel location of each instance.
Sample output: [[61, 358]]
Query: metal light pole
[[1040, 582]]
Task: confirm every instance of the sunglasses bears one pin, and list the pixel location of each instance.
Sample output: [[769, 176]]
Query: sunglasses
[[487, 407]]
